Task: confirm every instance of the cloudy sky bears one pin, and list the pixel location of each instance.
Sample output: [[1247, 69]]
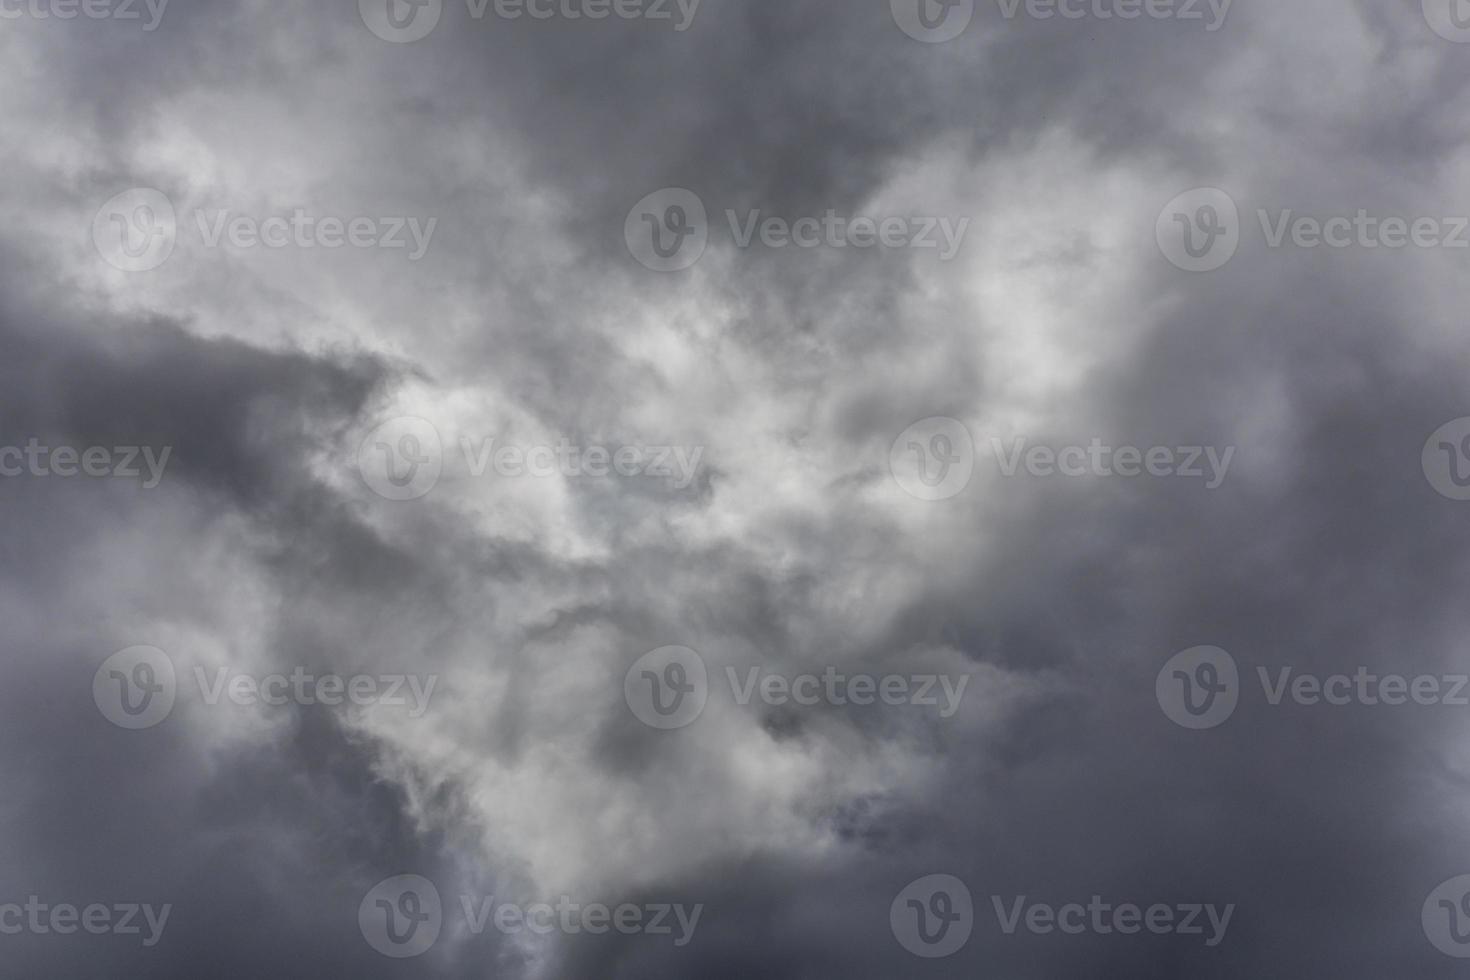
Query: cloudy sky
[[638, 489]]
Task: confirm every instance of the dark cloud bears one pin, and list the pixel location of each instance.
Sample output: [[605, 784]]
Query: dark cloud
[[791, 549]]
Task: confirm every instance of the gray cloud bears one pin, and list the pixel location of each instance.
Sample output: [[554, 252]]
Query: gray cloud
[[793, 550]]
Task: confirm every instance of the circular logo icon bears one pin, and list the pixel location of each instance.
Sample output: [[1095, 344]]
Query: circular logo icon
[[1447, 460], [135, 688], [1446, 917], [401, 917], [1199, 688], [933, 917], [1199, 231], [136, 230], [1450, 19], [401, 21], [668, 230], [401, 459], [933, 21], [668, 688], [933, 459]]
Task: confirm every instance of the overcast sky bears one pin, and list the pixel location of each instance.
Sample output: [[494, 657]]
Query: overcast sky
[[846, 488]]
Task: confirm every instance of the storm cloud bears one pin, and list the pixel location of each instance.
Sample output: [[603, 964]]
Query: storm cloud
[[655, 489]]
